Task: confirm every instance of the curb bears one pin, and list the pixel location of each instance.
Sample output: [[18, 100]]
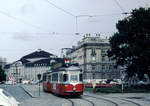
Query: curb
[[30, 94]]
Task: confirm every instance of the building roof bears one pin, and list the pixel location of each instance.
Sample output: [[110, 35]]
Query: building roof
[[37, 54], [42, 62], [90, 41], [37, 58], [7, 66]]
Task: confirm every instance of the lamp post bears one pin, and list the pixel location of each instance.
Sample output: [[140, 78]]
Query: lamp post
[[39, 77]]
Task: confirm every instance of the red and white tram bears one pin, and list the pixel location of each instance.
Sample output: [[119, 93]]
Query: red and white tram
[[66, 80]]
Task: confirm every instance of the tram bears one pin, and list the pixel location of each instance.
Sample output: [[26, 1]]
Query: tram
[[66, 80]]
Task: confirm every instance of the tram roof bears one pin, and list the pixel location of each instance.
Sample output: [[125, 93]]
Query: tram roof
[[69, 68]]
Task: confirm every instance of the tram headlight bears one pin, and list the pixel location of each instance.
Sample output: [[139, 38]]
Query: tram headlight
[[66, 85], [74, 88]]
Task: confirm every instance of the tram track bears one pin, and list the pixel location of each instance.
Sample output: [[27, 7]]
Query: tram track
[[72, 103], [131, 102], [92, 103], [115, 103], [104, 99], [137, 104]]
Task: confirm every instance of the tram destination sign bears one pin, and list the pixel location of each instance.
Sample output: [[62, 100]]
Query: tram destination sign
[[57, 65]]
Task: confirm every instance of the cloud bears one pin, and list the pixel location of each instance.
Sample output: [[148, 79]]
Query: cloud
[[32, 36], [27, 9], [23, 36]]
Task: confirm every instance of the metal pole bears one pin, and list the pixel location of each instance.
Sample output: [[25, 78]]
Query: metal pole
[[76, 24], [122, 87], [39, 88]]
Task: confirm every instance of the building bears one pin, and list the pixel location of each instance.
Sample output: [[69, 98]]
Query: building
[[29, 66], [91, 54]]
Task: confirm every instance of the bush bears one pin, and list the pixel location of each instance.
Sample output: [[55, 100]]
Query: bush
[[117, 89]]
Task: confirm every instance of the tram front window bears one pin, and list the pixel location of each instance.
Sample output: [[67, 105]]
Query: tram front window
[[65, 77], [74, 78]]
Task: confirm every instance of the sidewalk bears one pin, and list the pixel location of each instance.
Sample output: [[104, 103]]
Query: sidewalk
[[45, 99], [32, 90]]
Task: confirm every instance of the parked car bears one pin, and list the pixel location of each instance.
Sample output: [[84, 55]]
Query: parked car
[[26, 81], [142, 83], [6, 99], [34, 82], [3, 82], [9, 82], [113, 82]]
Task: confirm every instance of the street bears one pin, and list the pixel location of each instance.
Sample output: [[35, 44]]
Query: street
[[28, 95]]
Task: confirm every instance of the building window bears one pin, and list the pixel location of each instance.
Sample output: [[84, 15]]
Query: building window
[[103, 67], [93, 67], [103, 58]]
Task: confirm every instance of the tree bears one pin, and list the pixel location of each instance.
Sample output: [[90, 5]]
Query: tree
[[2, 75], [130, 45]]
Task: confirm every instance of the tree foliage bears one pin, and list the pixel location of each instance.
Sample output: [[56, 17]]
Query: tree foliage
[[130, 45], [2, 75]]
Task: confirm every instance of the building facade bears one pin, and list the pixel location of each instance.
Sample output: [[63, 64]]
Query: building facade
[[91, 54], [29, 66]]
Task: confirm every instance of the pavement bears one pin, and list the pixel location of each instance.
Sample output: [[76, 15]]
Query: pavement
[[126, 99], [32, 90], [48, 99], [44, 99]]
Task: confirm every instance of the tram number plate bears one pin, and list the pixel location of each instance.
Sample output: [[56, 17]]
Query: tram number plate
[[54, 86]]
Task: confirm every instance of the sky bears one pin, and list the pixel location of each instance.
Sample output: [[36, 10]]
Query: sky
[[28, 25]]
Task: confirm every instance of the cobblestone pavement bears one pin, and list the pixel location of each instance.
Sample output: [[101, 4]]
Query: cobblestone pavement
[[88, 99]]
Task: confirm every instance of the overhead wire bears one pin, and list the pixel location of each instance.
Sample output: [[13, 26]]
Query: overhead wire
[[77, 16], [54, 33], [20, 20], [67, 12], [119, 6]]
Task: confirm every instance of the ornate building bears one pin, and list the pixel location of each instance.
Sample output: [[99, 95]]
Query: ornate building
[[30, 65], [91, 54]]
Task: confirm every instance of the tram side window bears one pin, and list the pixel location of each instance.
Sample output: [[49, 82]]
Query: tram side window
[[49, 78], [44, 77], [65, 77], [81, 77], [55, 77]]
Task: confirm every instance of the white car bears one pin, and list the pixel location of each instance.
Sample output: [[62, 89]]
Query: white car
[[142, 83], [6, 99], [9, 82], [26, 82]]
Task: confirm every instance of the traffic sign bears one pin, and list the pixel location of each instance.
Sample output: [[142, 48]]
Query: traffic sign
[[39, 76], [11, 78]]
